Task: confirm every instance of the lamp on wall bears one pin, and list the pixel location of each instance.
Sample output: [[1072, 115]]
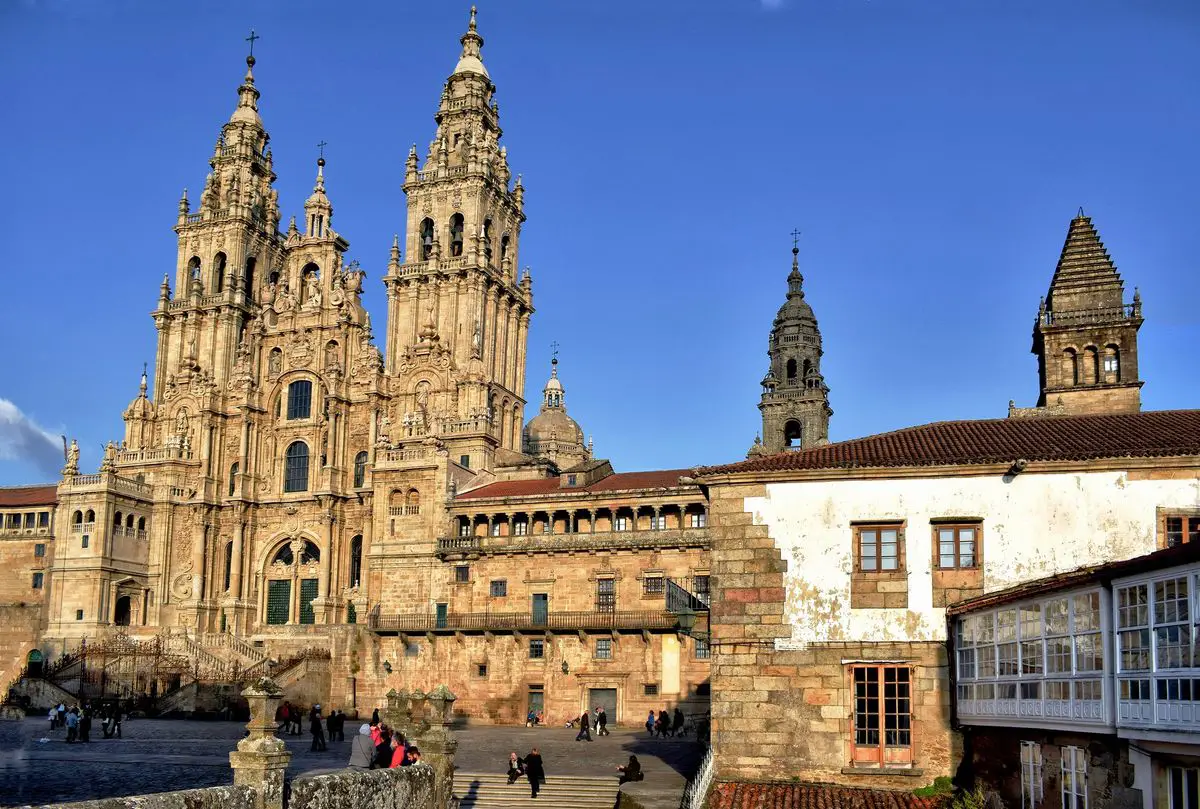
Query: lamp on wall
[[387, 666], [565, 668]]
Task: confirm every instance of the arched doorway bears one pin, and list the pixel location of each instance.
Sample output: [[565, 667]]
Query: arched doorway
[[121, 611], [33, 663]]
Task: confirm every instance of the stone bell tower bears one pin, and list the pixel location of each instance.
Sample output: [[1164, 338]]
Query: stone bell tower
[[1085, 337], [795, 399], [458, 314]]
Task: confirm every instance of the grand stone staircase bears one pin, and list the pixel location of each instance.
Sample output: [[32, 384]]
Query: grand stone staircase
[[492, 791]]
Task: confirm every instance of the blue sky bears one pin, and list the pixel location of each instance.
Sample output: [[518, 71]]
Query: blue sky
[[932, 153]]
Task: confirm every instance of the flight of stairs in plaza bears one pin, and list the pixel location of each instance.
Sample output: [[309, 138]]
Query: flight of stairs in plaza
[[492, 791]]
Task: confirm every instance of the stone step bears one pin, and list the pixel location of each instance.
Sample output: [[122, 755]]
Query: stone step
[[492, 791]]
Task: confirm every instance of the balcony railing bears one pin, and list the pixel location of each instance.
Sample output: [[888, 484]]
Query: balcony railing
[[521, 622], [582, 540], [30, 531], [1103, 314]]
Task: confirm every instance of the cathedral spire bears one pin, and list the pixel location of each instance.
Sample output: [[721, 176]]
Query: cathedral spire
[[247, 107], [318, 211], [472, 44]]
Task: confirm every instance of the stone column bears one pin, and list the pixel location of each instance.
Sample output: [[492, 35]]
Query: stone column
[[261, 759]]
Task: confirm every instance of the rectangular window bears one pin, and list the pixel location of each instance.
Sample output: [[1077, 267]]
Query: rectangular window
[[957, 546], [495, 529], [700, 586], [462, 573], [464, 461], [481, 669], [43, 519], [604, 648], [878, 548], [30, 519], [1074, 778], [499, 588], [78, 615], [621, 524], [1182, 788], [697, 520], [84, 542], [882, 715], [1172, 629], [279, 602], [1181, 529], [702, 651], [1031, 775], [606, 595], [308, 591], [299, 399], [37, 580], [39, 550], [658, 523], [464, 529], [652, 585], [521, 528], [1133, 632], [351, 613], [537, 649], [650, 690], [570, 480]]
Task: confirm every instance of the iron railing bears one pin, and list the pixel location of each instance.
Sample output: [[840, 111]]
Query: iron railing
[[523, 621]]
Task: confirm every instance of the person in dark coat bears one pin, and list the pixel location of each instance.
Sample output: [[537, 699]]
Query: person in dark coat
[[677, 723], [534, 771], [516, 767], [315, 727], [585, 728], [375, 717], [631, 771], [85, 723], [663, 725], [383, 750], [602, 722]]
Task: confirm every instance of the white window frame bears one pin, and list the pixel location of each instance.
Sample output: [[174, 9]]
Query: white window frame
[[1032, 781], [1181, 773], [1074, 778]]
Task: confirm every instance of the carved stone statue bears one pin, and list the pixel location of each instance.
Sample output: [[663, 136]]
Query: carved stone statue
[[287, 302], [312, 293], [72, 466], [275, 363], [477, 341], [181, 423]]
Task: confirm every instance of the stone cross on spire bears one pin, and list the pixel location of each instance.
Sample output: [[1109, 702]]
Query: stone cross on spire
[[251, 39]]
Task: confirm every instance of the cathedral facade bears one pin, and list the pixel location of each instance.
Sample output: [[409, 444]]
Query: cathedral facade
[[287, 481]]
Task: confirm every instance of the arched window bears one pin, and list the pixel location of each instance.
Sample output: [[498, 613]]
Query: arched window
[[487, 240], [310, 554], [141, 523], [793, 435], [355, 560], [1070, 367], [228, 564], [426, 239], [233, 473], [309, 269], [295, 477], [791, 369], [90, 516], [283, 556], [808, 368], [117, 520], [194, 268], [77, 517], [218, 279], [129, 521], [1091, 366], [360, 469], [456, 235], [503, 247], [1112, 363], [248, 277], [299, 399], [412, 502]]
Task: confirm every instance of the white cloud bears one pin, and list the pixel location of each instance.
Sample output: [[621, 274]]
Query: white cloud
[[772, 5], [21, 439]]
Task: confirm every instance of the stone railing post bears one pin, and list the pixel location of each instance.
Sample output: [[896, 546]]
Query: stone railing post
[[437, 743], [396, 714], [261, 759]]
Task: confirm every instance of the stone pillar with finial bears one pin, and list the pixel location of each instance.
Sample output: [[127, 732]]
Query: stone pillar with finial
[[261, 759], [437, 744]]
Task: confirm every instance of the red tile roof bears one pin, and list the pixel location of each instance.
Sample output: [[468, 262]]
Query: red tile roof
[[542, 486], [735, 795], [16, 496], [1156, 434]]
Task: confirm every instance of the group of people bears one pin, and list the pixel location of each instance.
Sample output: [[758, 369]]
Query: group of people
[[379, 747], [78, 720], [531, 767], [586, 722], [322, 728], [664, 724]]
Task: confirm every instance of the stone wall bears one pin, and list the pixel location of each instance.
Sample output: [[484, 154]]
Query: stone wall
[[227, 797], [994, 756], [784, 710], [20, 632], [407, 787]]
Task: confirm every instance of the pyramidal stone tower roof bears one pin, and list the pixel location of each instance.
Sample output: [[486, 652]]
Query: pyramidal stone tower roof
[[1085, 277]]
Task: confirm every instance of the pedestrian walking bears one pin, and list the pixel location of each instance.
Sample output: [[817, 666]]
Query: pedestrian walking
[[375, 718], [317, 731], [62, 715], [85, 723], [116, 718], [602, 722], [677, 723], [663, 725], [534, 771], [362, 751], [585, 729], [72, 723], [650, 724], [53, 718]]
